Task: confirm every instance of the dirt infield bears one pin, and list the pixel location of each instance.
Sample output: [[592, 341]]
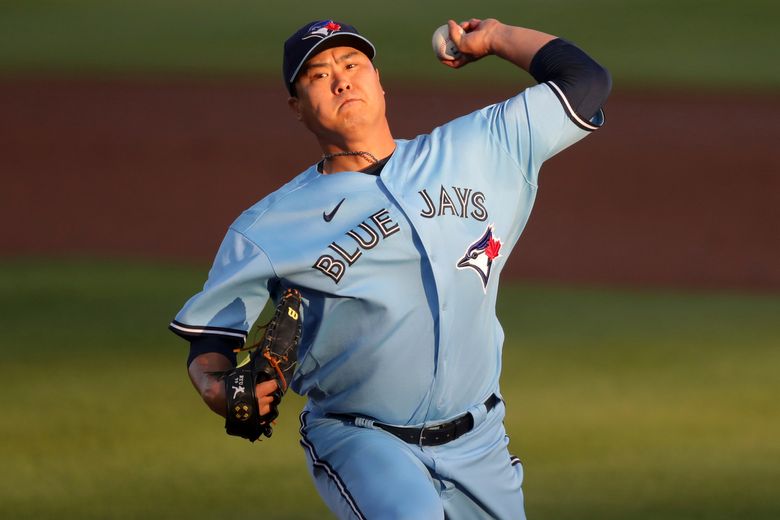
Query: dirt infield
[[677, 190]]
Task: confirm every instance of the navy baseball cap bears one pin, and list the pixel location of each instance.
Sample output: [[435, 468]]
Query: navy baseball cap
[[315, 37]]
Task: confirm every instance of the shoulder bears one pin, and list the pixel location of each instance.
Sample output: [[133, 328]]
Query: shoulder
[[480, 124], [264, 208], [482, 121]]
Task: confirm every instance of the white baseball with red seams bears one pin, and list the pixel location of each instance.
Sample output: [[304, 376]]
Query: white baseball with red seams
[[443, 46]]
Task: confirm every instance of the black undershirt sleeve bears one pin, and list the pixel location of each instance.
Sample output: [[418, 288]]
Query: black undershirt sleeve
[[584, 83], [219, 344]]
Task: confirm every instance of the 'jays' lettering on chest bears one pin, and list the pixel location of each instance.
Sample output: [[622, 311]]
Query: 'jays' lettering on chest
[[364, 237], [458, 202]]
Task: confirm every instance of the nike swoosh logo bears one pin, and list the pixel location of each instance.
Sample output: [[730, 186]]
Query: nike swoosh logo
[[329, 216]]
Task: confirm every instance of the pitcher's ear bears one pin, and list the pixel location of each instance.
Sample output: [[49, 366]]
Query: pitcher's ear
[[295, 105]]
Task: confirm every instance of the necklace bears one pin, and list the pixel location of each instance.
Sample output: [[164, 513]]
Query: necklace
[[368, 156]]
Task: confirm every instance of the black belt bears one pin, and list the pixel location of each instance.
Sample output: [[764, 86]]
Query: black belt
[[431, 436]]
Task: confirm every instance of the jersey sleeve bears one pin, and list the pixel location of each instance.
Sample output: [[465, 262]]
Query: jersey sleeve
[[535, 125], [232, 298]]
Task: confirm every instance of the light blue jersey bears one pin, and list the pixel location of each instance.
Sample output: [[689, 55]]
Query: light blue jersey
[[398, 273]]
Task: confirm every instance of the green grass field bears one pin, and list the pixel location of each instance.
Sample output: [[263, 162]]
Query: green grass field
[[684, 43], [622, 404]]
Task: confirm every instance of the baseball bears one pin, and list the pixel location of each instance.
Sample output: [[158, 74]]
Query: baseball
[[444, 48]]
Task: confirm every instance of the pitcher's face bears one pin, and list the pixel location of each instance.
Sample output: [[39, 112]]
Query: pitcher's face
[[338, 92]]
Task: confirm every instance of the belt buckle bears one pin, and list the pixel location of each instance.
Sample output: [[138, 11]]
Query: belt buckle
[[422, 439], [440, 429], [424, 430]]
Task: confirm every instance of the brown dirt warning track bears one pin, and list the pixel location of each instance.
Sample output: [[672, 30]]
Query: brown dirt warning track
[[678, 189]]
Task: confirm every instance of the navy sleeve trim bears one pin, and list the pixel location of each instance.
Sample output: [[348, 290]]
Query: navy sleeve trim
[[218, 344], [190, 331], [581, 84], [595, 122]]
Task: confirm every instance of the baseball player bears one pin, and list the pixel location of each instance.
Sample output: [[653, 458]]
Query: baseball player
[[396, 247]]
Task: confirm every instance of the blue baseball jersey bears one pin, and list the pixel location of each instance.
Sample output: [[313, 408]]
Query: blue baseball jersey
[[398, 272]]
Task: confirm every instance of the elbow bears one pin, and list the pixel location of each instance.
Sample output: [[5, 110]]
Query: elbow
[[601, 82], [584, 83], [589, 92]]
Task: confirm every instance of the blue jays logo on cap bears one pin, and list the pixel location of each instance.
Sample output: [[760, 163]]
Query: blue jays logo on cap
[[322, 29], [480, 255]]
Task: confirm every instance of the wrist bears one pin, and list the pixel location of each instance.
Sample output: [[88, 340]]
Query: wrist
[[214, 396], [497, 37]]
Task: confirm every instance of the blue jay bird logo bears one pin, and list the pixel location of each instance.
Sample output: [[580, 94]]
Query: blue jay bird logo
[[480, 255], [322, 29]]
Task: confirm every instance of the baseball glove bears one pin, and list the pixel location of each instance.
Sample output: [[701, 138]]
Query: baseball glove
[[274, 357]]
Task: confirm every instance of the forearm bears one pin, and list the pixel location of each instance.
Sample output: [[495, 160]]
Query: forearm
[[517, 45], [582, 83], [211, 389]]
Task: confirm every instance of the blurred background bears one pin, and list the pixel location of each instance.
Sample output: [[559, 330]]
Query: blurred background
[[640, 305]]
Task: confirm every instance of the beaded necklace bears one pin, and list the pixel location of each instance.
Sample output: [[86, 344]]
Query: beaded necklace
[[368, 156]]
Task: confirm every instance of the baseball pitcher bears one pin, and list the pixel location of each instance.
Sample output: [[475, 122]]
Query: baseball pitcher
[[388, 254]]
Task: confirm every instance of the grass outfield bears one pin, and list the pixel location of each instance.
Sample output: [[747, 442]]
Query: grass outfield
[[679, 42], [622, 404]]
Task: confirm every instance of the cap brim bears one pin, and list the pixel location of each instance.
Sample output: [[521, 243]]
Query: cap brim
[[336, 40]]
